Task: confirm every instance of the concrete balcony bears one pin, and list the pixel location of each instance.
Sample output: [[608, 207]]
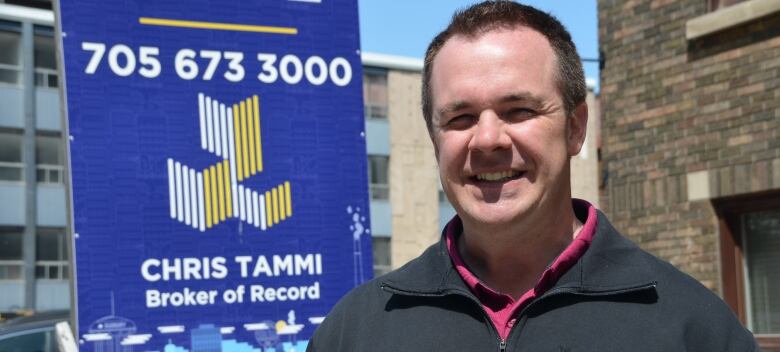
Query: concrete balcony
[[47, 109], [51, 294], [12, 113], [47, 101], [13, 208], [11, 295], [51, 205], [381, 218], [377, 137]]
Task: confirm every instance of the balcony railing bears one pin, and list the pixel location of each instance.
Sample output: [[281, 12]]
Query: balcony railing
[[11, 269], [11, 171], [46, 77], [379, 191], [51, 270], [375, 111], [10, 74], [47, 173]]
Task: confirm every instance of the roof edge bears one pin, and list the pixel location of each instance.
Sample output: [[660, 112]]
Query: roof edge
[[391, 61], [24, 14]]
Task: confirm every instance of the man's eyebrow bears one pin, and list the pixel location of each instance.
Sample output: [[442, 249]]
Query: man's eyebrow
[[454, 106], [522, 97], [527, 97]]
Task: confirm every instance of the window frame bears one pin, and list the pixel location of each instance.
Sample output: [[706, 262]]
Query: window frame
[[53, 269], [12, 27], [730, 211], [378, 191], [381, 269], [368, 105], [45, 77], [19, 135], [45, 172], [6, 264]]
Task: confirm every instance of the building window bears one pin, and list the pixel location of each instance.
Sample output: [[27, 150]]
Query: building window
[[750, 256], [715, 5], [10, 56], [375, 93], [761, 239], [381, 253], [11, 166], [49, 159], [45, 57], [51, 258], [378, 175], [11, 254]]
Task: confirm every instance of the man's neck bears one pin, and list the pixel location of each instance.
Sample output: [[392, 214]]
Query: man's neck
[[511, 260]]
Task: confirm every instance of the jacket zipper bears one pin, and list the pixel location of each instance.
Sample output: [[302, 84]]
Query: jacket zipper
[[553, 292], [564, 290], [501, 342]]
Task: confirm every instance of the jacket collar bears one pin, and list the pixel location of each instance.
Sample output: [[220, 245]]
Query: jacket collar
[[612, 263]]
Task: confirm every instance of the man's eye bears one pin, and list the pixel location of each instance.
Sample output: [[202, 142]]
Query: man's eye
[[460, 122], [520, 114]]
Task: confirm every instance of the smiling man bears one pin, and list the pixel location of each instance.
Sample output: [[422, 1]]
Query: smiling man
[[523, 266]]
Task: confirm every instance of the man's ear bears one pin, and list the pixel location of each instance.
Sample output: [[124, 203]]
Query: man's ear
[[577, 127]]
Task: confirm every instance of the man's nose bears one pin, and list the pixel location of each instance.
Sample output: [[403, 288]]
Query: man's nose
[[490, 133]]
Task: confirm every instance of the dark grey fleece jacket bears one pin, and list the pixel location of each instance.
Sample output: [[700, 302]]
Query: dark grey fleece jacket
[[617, 297]]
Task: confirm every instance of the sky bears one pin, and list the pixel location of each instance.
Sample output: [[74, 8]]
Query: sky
[[405, 27]]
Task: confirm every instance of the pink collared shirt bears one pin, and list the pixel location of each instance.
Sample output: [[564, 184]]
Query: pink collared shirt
[[501, 308]]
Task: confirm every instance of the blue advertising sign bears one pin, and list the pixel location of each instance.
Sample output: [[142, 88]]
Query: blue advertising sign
[[218, 170]]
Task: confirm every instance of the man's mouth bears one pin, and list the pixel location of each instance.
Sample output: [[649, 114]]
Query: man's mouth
[[498, 176]]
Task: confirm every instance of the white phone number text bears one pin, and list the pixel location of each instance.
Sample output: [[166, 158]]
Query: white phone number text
[[191, 64]]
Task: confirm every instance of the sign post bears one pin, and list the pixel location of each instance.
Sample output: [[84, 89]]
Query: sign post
[[218, 165]]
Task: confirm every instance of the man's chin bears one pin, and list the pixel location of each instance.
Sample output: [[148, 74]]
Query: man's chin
[[495, 219]]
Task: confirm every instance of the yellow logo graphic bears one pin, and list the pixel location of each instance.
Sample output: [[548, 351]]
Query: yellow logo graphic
[[205, 198]]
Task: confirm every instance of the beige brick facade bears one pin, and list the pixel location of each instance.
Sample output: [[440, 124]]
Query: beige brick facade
[[413, 173]]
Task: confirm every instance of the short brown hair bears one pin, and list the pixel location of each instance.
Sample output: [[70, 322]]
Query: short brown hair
[[489, 15]]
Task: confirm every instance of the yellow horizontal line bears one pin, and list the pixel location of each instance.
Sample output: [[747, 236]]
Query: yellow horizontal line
[[216, 25]]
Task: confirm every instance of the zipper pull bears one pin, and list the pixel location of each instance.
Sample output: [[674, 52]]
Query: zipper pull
[[502, 346]]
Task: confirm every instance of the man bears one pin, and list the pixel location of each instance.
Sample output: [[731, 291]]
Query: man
[[523, 266]]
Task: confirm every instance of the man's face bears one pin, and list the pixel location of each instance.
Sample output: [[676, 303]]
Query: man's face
[[501, 135]]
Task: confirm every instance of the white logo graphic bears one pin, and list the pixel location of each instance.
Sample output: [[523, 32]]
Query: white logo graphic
[[358, 229]]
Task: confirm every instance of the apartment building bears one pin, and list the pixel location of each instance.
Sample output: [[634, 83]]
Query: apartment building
[[33, 245]]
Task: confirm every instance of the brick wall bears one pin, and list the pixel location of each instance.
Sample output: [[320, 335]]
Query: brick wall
[[684, 122]]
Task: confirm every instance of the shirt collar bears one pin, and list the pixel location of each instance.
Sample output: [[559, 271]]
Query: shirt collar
[[570, 255]]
